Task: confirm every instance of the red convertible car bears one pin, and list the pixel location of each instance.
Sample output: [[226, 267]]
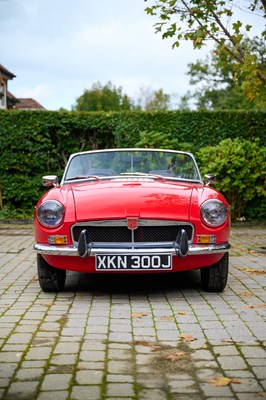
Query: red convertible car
[[131, 211]]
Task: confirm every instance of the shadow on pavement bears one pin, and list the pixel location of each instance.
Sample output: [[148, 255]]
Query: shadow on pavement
[[132, 283]]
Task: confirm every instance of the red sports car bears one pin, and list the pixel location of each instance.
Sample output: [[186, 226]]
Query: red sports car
[[132, 211]]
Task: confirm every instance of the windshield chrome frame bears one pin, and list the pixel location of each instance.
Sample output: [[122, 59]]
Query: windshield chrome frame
[[121, 177]]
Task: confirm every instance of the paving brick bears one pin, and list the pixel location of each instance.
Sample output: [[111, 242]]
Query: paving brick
[[29, 374], [119, 367], [253, 352], [113, 378], [58, 395], [67, 348], [89, 377], [63, 359], [92, 355], [260, 372], [25, 390], [85, 392], [153, 394], [41, 353], [56, 382], [232, 363], [90, 365], [120, 389]]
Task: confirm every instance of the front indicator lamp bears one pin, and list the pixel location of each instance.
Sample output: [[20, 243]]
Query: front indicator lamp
[[206, 239], [57, 239]]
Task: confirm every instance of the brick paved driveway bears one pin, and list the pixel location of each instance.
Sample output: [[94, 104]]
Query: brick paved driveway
[[152, 337]]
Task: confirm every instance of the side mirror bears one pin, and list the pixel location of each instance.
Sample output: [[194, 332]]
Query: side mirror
[[209, 179], [50, 181]]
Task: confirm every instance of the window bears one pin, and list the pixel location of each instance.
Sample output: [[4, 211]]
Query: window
[[2, 94]]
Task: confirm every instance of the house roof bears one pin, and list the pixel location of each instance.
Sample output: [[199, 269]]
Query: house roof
[[28, 104], [7, 74], [23, 103], [10, 95]]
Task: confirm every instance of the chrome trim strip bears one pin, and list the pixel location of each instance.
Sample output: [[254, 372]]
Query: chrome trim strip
[[141, 222], [122, 248]]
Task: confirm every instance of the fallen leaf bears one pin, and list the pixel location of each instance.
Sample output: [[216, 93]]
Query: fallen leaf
[[176, 356], [261, 394], [252, 251], [187, 337], [138, 315], [256, 306], [237, 381], [48, 303], [166, 318], [154, 347], [222, 381], [253, 271], [181, 313], [246, 294], [141, 343]]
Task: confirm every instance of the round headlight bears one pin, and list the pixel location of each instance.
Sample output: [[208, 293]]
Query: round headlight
[[51, 214], [214, 213]]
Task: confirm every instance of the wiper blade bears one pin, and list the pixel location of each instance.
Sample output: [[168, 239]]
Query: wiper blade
[[73, 178], [143, 174]]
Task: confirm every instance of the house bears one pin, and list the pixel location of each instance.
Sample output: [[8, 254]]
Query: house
[[5, 76], [8, 100]]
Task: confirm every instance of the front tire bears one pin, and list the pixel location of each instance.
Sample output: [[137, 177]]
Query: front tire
[[214, 278], [50, 279]]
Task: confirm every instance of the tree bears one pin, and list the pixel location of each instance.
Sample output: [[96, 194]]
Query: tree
[[153, 100], [218, 86], [103, 98], [203, 20]]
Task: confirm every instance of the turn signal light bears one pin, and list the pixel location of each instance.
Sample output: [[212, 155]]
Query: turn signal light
[[57, 239], [205, 239]]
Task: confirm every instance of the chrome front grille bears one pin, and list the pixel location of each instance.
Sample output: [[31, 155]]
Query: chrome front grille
[[117, 231]]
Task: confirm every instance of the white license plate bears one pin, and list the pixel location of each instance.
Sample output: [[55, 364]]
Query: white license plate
[[133, 262]]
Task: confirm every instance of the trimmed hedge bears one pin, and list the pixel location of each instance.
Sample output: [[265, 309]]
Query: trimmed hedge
[[35, 143]]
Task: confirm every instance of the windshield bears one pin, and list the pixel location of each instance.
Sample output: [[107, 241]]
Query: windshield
[[106, 164]]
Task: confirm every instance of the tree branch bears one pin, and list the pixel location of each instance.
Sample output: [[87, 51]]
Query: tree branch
[[261, 76], [218, 41], [227, 33], [264, 4]]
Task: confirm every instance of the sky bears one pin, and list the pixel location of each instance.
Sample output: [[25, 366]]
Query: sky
[[59, 48]]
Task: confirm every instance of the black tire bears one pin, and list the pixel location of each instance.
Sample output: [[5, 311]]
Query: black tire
[[214, 278], [50, 279]]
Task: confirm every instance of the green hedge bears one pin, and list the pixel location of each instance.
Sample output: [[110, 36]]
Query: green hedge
[[241, 168], [34, 143]]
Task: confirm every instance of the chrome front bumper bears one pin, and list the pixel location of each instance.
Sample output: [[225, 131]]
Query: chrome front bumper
[[122, 248]]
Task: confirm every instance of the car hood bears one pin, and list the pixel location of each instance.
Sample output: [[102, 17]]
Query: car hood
[[116, 200]]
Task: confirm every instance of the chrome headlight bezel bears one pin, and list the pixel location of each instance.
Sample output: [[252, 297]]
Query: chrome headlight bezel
[[213, 213], [51, 214]]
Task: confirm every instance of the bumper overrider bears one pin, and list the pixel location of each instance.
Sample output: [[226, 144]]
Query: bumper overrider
[[181, 247]]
